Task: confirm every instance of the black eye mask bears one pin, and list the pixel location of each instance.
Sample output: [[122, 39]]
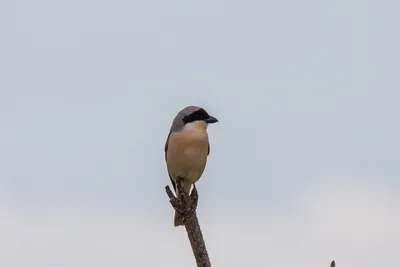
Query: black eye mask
[[198, 115]]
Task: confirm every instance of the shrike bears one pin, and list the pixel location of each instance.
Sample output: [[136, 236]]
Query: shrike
[[187, 148]]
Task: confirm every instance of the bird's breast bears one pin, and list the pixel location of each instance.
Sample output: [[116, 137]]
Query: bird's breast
[[187, 154]]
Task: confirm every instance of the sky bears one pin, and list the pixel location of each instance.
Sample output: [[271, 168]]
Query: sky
[[304, 163]]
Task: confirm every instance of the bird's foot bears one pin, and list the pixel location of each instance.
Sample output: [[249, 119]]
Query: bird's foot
[[183, 203]]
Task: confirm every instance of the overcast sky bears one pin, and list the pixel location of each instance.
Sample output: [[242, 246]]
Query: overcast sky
[[304, 164]]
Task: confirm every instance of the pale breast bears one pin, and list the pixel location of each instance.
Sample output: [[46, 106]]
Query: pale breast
[[187, 154]]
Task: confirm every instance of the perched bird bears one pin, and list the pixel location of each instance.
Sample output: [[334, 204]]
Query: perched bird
[[187, 148]]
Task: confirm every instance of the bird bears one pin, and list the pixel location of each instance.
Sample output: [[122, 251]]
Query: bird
[[187, 148]]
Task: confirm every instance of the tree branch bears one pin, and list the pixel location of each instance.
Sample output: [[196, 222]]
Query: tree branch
[[186, 207]]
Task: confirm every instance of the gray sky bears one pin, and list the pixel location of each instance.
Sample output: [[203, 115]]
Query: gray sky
[[304, 164]]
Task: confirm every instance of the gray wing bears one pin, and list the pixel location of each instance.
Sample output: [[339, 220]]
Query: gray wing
[[165, 150], [166, 146]]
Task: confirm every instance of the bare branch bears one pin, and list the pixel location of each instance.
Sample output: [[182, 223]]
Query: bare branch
[[186, 206]]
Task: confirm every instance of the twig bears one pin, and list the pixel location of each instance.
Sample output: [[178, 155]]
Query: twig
[[186, 206]]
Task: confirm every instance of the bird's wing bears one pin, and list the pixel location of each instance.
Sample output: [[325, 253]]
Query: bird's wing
[[165, 150], [166, 146]]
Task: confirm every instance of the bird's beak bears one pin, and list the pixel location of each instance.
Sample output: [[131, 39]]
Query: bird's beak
[[211, 119]]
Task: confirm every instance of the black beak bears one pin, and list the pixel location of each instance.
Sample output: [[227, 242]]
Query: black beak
[[211, 119]]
